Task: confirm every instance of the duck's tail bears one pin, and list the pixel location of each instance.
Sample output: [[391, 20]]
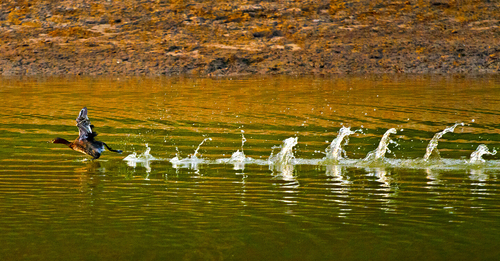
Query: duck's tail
[[110, 149]]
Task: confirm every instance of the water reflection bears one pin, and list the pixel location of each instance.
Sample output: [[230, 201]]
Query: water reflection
[[433, 177], [285, 172], [477, 174], [89, 176], [382, 177], [287, 184], [56, 204], [94, 167], [338, 174]]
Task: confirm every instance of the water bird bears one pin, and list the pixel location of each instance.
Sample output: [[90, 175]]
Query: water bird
[[85, 143]]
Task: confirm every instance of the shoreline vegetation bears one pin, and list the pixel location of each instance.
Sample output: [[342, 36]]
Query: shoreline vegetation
[[240, 37]]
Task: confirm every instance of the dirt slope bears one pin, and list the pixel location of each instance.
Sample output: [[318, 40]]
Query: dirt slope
[[249, 37]]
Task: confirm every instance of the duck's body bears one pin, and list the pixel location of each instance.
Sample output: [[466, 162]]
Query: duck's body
[[92, 148], [85, 143]]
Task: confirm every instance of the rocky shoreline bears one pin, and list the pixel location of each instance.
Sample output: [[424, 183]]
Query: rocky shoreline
[[219, 38]]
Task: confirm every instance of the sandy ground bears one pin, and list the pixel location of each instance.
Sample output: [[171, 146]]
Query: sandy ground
[[213, 38]]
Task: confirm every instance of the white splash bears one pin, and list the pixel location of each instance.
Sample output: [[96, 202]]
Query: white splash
[[199, 146], [477, 156], [382, 148], [238, 157], [238, 160], [191, 161], [284, 161], [432, 147], [335, 150], [285, 156], [143, 159]]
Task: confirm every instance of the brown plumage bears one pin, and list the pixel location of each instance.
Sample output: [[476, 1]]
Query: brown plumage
[[85, 143]]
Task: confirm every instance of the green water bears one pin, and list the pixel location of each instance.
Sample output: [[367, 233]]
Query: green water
[[55, 204]]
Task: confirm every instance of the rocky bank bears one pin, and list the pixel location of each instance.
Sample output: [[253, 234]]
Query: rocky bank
[[212, 38]]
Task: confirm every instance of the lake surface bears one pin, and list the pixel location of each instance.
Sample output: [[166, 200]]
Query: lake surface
[[159, 200]]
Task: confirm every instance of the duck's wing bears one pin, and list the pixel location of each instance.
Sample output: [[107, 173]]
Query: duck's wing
[[83, 124]]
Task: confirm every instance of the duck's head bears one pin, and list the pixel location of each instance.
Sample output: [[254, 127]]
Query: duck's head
[[61, 141]]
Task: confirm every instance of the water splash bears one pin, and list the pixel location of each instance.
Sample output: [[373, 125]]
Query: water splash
[[191, 161], [238, 160], [335, 150], [477, 156], [382, 148], [143, 159], [239, 156], [432, 147], [199, 146], [243, 140], [285, 156], [284, 160]]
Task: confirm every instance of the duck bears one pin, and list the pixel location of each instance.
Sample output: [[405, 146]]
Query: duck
[[85, 143]]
